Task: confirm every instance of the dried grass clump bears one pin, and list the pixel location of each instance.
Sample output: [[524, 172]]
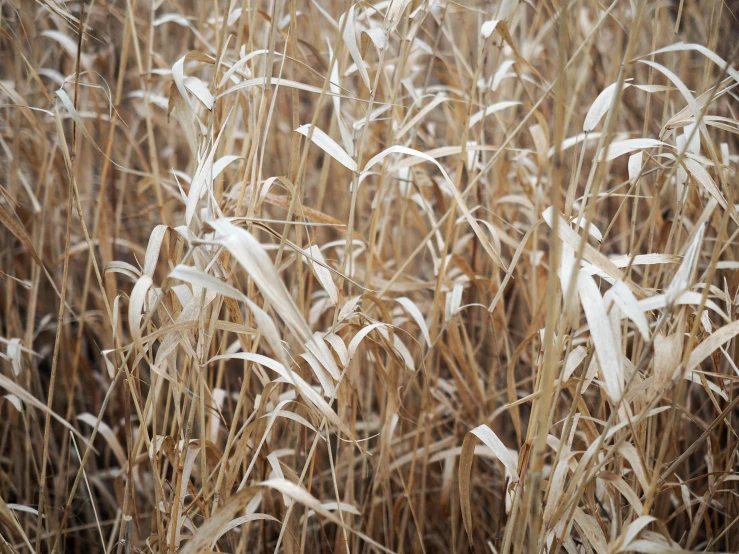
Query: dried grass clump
[[412, 276]]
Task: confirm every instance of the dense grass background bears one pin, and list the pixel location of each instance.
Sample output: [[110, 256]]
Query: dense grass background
[[408, 276]]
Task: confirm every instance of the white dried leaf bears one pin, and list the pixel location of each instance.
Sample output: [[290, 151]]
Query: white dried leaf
[[13, 350], [493, 108], [318, 264], [328, 145], [629, 305], [250, 254], [417, 316], [200, 90], [701, 175], [600, 106], [635, 165], [488, 28], [491, 440], [350, 39], [357, 339], [171, 18], [394, 13], [616, 149], [454, 301], [600, 330], [452, 189], [346, 136], [681, 280], [15, 402], [305, 390], [501, 73]]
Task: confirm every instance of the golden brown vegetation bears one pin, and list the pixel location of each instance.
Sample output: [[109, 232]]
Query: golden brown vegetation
[[407, 276]]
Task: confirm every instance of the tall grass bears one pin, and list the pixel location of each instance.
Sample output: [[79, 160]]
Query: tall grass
[[413, 276]]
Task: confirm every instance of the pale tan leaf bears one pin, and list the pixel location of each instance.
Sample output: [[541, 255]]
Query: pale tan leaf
[[350, 39], [590, 254], [214, 526], [69, 45], [109, 436], [302, 496], [250, 254], [491, 440], [488, 28], [629, 305], [417, 316], [600, 106], [711, 344], [13, 351], [322, 274], [15, 402], [600, 331], [301, 386], [328, 145], [710, 54], [630, 533], [493, 108], [135, 307], [591, 531], [701, 175], [669, 352], [616, 149], [357, 339], [457, 195], [681, 280], [575, 358], [394, 13], [236, 522]]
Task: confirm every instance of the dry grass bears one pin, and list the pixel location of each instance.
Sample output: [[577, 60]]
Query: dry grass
[[413, 276]]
